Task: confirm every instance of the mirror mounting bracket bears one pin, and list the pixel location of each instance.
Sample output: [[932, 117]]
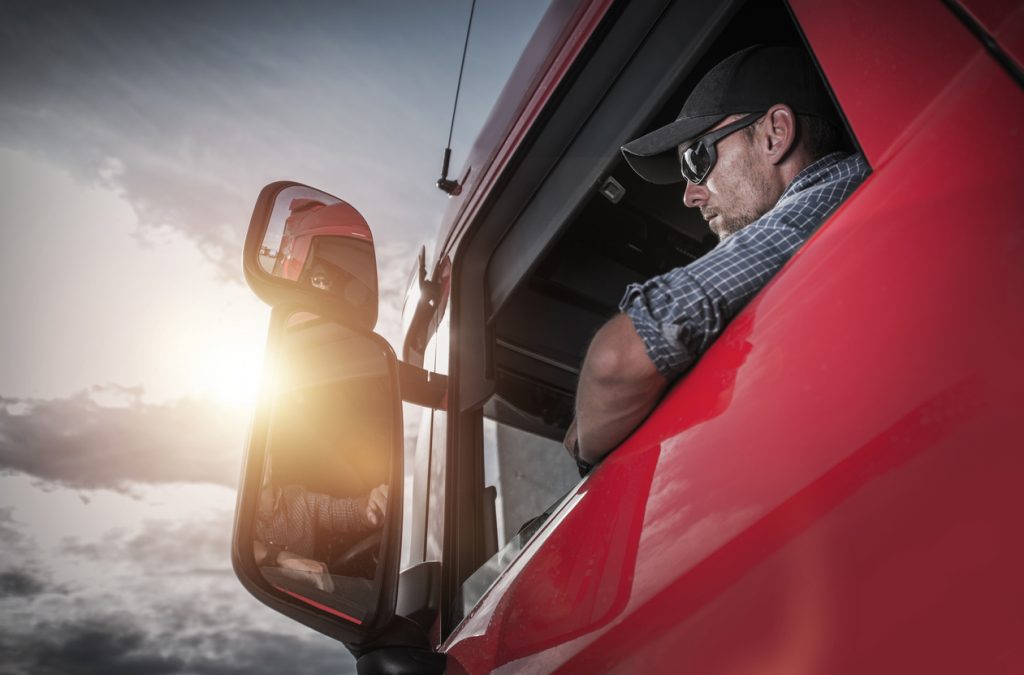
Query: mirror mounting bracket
[[422, 387], [402, 660], [416, 316]]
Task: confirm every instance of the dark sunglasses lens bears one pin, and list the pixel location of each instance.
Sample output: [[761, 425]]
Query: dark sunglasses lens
[[696, 163]]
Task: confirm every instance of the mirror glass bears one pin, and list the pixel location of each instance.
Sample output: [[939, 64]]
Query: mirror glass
[[323, 511], [319, 241]]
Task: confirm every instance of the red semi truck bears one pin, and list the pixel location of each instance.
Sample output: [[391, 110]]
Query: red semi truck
[[833, 488]]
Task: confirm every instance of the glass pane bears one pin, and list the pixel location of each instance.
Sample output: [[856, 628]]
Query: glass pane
[[320, 241], [532, 475], [324, 494]]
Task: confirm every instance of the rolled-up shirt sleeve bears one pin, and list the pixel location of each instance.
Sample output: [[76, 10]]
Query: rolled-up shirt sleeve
[[679, 314]]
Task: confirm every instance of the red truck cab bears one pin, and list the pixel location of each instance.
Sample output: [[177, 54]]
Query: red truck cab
[[832, 488]]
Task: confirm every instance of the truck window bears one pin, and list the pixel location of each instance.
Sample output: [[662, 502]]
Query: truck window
[[529, 472], [561, 250]]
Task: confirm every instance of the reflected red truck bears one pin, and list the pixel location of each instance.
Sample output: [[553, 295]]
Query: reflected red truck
[[834, 487], [308, 219]]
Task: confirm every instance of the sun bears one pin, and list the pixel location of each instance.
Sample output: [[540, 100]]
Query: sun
[[231, 373]]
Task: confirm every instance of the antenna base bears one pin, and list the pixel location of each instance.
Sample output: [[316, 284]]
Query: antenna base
[[450, 186]]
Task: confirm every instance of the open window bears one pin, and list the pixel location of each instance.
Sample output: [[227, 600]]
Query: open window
[[568, 232], [545, 311]]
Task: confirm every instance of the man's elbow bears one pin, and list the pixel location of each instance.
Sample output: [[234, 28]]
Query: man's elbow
[[618, 357], [619, 387]]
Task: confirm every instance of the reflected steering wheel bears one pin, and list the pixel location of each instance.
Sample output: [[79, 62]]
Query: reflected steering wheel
[[363, 551]]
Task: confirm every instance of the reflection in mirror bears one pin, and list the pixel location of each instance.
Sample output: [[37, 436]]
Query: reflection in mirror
[[319, 241], [324, 495]]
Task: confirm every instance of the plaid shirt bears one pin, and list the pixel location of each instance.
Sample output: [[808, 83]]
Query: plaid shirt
[[679, 314], [299, 516]]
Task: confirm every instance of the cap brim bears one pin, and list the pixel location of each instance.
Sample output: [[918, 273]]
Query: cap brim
[[654, 156]]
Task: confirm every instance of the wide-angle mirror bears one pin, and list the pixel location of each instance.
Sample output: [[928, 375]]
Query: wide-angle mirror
[[319, 244], [327, 503]]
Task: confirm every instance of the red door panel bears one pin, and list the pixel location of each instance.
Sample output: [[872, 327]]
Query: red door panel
[[886, 62], [834, 486], [1003, 20]]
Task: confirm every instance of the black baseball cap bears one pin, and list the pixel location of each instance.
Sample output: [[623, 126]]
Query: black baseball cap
[[751, 80]]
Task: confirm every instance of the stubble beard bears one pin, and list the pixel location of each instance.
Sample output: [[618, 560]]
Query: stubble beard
[[760, 201]]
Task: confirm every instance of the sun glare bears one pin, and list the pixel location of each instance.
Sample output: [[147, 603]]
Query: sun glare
[[231, 374]]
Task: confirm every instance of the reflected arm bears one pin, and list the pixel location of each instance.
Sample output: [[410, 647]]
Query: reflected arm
[[337, 515]]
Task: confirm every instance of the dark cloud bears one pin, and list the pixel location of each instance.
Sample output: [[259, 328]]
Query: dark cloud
[[79, 443], [20, 583], [160, 598], [113, 645], [188, 108], [15, 547], [92, 647], [187, 547]]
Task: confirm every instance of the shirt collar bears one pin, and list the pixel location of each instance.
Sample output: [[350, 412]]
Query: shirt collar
[[813, 173]]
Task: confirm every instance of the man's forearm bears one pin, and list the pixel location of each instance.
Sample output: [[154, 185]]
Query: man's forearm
[[603, 423], [619, 386]]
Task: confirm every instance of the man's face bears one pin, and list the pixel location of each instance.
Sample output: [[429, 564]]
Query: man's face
[[738, 190]]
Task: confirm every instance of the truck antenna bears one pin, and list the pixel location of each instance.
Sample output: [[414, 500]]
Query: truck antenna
[[452, 187]]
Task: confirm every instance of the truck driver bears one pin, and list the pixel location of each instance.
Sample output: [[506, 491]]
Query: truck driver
[[759, 145]]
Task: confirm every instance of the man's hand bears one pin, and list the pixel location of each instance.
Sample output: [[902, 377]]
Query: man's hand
[[619, 386], [376, 506], [570, 439], [571, 445], [290, 561], [313, 571]]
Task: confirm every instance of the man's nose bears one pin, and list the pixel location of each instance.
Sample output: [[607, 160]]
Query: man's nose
[[694, 195]]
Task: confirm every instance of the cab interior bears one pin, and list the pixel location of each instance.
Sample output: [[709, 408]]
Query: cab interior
[[557, 243], [544, 312]]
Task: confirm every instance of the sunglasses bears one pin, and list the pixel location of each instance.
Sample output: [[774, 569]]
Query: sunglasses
[[697, 161]]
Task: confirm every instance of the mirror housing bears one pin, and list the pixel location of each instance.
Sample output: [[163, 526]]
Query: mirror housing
[[330, 424], [307, 247]]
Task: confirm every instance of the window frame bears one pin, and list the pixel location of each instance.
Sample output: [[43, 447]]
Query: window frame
[[634, 55]]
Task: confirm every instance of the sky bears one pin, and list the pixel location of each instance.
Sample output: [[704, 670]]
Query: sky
[[134, 138]]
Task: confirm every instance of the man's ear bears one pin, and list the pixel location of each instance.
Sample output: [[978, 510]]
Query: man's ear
[[780, 132]]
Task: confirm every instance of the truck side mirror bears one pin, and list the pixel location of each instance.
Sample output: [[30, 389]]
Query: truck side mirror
[[318, 523], [304, 244]]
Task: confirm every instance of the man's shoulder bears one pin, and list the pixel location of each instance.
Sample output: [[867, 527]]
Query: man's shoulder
[[836, 167], [815, 192]]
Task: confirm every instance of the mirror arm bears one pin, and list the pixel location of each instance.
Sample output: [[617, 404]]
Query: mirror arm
[[402, 660], [399, 632], [422, 387]]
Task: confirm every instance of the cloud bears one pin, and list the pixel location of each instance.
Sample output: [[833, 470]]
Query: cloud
[[19, 568], [394, 263], [113, 644], [95, 646], [108, 437], [91, 647], [150, 594], [77, 442], [8, 532], [187, 110], [191, 546], [19, 583]]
